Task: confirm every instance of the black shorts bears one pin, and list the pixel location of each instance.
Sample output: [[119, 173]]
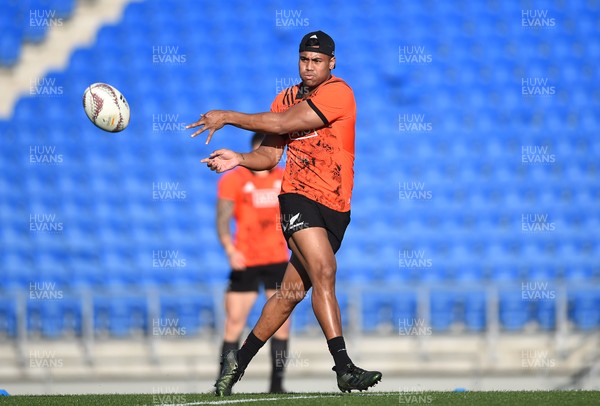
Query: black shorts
[[250, 279], [299, 212]]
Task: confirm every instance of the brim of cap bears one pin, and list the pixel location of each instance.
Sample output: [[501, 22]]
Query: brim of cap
[[312, 49]]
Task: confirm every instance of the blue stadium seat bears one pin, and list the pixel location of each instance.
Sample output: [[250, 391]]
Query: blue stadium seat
[[377, 310], [10, 45], [37, 19], [579, 272], [190, 311], [475, 310], [404, 305], [584, 309], [120, 314], [8, 316], [442, 309], [64, 8], [514, 311], [546, 313], [54, 318], [14, 276], [303, 317]]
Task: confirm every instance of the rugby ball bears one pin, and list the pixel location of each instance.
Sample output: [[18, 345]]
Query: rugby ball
[[106, 107]]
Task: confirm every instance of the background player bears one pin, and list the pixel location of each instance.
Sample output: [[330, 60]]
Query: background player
[[257, 255], [316, 120]]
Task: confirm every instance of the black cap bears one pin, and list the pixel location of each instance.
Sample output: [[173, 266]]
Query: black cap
[[318, 41]]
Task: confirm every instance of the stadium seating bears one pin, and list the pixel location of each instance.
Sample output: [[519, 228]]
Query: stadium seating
[[8, 317], [28, 22], [475, 310], [385, 309], [120, 315], [584, 309], [191, 312], [469, 229], [55, 318], [515, 313]]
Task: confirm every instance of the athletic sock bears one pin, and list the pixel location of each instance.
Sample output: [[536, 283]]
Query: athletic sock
[[229, 346], [249, 350], [278, 357], [337, 348]]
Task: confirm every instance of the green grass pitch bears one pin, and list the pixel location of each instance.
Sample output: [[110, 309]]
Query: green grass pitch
[[545, 398]]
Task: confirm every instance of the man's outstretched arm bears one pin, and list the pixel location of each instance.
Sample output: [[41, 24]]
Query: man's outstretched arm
[[263, 158], [299, 117]]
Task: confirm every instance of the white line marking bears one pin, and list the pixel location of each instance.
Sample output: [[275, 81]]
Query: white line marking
[[234, 401]]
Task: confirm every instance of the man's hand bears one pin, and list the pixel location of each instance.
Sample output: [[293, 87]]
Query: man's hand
[[222, 160], [237, 261], [212, 121]]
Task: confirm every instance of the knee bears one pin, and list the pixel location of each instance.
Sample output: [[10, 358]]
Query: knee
[[323, 275], [235, 321]]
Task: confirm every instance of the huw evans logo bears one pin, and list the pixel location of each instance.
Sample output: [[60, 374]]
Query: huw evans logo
[[290, 358], [291, 222], [413, 327], [44, 359], [168, 54], [167, 123], [537, 19], [167, 327], [290, 291], [44, 18], [167, 396], [168, 191], [44, 155], [42, 222], [537, 154], [413, 54], [413, 191], [290, 19], [536, 222], [283, 83], [413, 123], [414, 396], [537, 87], [414, 259], [167, 259], [46, 86], [44, 291], [537, 359], [534, 291]]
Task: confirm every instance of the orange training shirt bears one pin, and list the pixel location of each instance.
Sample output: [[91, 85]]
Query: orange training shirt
[[320, 162], [256, 211]]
